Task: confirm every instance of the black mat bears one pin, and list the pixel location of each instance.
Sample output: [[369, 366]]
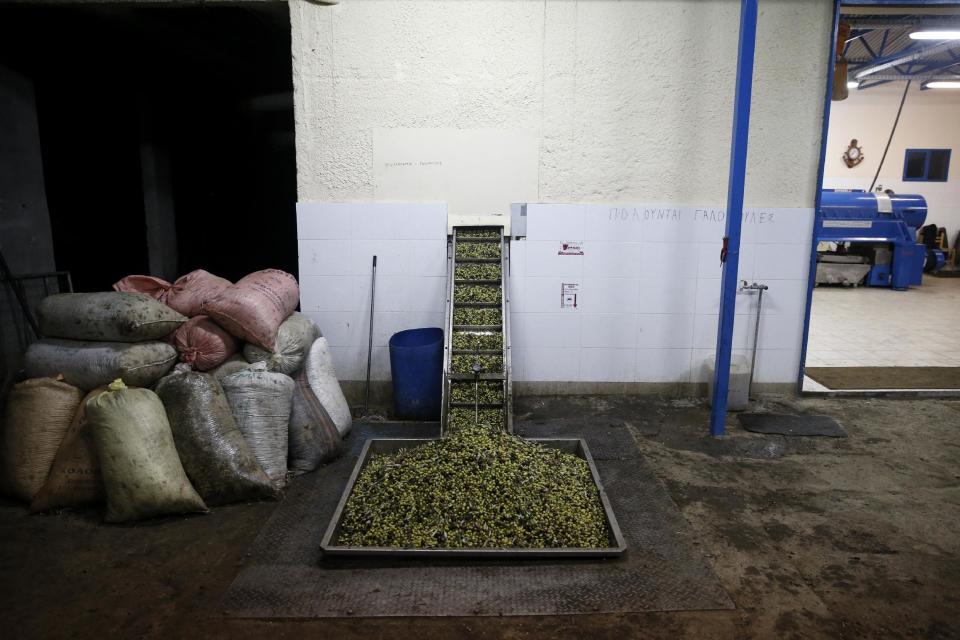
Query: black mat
[[788, 425], [285, 577], [846, 378]]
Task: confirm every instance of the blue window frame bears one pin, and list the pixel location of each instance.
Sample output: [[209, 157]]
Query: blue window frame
[[926, 165]]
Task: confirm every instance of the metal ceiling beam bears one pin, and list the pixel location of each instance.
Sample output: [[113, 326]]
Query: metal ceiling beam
[[870, 85], [925, 73], [909, 76], [945, 22], [939, 67], [901, 58]]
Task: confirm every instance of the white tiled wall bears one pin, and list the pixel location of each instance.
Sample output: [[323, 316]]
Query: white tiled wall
[[337, 245], [649, 287], [650, 292]]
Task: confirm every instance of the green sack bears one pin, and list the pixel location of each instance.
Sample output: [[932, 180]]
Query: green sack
[[141, 469]]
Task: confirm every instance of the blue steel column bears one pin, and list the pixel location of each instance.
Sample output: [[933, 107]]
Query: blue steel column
[[738, 169]]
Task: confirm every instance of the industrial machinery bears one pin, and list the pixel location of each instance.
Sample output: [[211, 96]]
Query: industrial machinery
[[875, 238], [477, 371], [477, 389]]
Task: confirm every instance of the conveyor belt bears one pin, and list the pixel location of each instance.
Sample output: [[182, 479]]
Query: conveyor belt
[[477, 384]]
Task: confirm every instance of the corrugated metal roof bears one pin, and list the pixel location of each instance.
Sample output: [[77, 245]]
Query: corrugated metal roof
[[882, 36]]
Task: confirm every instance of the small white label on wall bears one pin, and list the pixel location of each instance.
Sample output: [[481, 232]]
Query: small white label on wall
[[568, 295], [570, 248], [847, 224]]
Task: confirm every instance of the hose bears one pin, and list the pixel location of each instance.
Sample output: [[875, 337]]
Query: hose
[[890, 139]]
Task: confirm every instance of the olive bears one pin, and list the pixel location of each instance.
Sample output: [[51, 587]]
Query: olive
[[476, 488]]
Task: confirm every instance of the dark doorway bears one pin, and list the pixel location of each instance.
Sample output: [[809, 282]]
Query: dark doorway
[[155, 117]]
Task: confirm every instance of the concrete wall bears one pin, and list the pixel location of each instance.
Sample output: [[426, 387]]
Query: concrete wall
[[25, 236], [930, 120], [631, 101]]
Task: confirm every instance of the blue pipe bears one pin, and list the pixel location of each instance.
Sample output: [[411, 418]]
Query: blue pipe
[[731, 253]]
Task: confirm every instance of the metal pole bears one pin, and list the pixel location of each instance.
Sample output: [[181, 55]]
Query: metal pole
[[730, 255], [373, 297], [756, 332]]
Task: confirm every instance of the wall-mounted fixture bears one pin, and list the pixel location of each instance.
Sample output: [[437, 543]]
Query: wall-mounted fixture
[[853, 155], [941, 84]]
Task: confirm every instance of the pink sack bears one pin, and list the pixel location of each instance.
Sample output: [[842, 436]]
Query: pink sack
[[188, 293], [156, 288], [202, 344], [254, 308]]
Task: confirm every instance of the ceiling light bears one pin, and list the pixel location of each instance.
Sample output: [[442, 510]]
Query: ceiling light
[[935, 35], [852, 85], [943, 84]]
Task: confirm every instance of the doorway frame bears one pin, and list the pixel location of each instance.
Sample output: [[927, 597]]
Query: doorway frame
[[817, 219]]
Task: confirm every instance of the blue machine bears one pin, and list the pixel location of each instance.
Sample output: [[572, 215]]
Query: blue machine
[[881, 232]]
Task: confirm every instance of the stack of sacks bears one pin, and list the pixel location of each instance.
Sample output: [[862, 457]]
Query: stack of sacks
[[293, 426], [200, 438], [288, 425], [93, 338], [50, 458], [185, 295], [201, 342]]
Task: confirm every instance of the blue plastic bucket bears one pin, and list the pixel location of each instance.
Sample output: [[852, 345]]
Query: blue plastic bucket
[[416, 366]]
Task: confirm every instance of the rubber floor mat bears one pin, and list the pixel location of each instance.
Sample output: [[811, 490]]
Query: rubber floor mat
[[790, 425], [846, 378], [285, 576]]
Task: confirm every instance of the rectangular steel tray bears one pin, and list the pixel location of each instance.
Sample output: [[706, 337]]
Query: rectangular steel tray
[[577, 447]]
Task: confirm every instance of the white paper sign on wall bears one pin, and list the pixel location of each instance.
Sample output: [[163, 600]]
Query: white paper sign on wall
[[475, 171], [568, 295], [570, 248]]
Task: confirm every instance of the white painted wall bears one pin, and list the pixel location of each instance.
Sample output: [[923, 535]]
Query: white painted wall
[[631, 101], [930, 120]]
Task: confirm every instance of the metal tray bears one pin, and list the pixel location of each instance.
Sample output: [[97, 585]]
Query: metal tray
[[577, 447]]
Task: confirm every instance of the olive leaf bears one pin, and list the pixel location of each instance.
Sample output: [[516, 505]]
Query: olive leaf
[[485, 293], [473, 232], [488, 363], [472, 341], [477, 250], [474, 316], [477, 271], [482, 392]]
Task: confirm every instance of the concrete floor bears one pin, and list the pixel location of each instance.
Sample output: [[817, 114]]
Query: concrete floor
[[812, 538], [880, 327]]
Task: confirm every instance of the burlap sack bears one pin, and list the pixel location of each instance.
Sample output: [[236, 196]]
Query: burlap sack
[[37, 416], [75, 478]]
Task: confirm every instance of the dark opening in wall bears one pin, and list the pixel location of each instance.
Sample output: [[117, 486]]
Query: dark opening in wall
[[155, 117]]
